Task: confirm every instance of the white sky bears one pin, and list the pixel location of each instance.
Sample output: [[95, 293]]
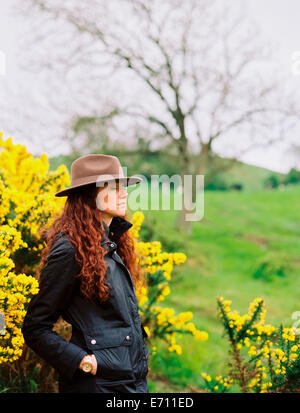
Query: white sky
[[279, 20]]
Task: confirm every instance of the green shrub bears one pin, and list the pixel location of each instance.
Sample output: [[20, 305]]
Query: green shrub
[[272, 264]]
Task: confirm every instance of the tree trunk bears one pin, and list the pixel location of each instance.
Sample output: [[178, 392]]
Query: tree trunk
[[196, 186], [203, 159]]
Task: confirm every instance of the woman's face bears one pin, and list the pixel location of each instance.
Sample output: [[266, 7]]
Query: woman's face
[[112, 198]]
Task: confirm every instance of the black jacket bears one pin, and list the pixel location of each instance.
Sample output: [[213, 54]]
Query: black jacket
[[111, 330]]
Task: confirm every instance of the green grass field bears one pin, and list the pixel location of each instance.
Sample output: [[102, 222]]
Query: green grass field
[[237, 230]]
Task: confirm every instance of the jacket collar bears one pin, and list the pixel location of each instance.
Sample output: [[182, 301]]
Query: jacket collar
[[112, 233], [116, 228]]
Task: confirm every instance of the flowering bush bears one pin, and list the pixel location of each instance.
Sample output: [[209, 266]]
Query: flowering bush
[[264, 358], [15, 292], [27, 202]]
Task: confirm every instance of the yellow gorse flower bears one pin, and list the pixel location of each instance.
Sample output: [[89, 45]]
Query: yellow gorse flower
[[277, 348], [26, 186]]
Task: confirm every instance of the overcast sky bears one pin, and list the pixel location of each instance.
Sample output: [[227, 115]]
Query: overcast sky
[[279, 20]]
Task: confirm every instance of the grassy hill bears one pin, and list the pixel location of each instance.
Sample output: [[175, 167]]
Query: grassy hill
[[251, 177], [238, 229]]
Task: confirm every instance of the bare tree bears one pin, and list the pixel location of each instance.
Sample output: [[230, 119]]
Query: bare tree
[[197, 74]]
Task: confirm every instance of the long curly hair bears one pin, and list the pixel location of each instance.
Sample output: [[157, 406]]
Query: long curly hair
[[82, 222]]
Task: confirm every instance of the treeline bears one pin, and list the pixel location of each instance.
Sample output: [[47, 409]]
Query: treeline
[[292, 178], [148, 163]]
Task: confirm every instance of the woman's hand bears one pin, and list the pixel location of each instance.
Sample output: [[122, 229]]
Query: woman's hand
[[90, 358]]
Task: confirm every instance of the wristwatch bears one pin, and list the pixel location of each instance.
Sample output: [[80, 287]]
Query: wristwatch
[[87, 365]]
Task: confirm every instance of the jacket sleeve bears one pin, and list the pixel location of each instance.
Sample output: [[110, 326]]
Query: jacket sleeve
[[57, 283]]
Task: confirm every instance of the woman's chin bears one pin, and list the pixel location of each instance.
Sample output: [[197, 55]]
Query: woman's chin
[[120, 212]]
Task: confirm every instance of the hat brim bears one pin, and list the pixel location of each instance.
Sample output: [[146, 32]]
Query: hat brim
[[128, 180]]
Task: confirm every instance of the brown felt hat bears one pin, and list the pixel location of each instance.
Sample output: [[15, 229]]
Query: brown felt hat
[[97, 168]]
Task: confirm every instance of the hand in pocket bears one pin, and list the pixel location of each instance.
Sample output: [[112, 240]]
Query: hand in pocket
[[95, 364], [93, 360]]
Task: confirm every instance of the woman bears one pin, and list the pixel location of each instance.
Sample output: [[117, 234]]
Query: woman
[[88, 274]]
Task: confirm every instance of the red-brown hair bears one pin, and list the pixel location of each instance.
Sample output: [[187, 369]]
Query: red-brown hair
[[81, 221]]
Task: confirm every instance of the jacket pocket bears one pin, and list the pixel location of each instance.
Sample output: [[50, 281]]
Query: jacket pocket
[[111, 348]]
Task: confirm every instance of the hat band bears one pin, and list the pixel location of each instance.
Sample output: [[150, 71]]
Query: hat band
[[95, 178]]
